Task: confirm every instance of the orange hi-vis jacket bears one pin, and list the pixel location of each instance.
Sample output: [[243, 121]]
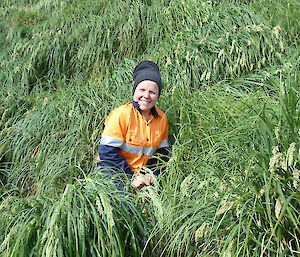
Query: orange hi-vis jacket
[[136, 138]]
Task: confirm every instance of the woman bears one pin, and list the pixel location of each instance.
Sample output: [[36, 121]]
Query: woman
[[136, 130]]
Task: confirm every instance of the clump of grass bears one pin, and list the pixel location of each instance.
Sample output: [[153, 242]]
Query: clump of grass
[[47, 129], [220, 44], [209, 42], [284, 14], [90, 218]]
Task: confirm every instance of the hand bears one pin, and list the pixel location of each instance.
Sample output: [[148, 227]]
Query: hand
[[138, 182], [142, 180], [148, 179]]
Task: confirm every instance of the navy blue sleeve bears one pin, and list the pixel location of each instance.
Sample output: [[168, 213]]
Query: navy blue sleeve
[[110, 157], [155, 164]]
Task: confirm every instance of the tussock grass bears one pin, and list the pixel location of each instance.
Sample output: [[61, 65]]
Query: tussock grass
[[89, 218], [231, 92], [285, 14]]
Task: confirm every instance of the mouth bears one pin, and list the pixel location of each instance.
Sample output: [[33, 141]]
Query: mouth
[[144, 101]]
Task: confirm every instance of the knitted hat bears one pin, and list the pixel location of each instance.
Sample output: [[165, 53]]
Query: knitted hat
[[146, 70]]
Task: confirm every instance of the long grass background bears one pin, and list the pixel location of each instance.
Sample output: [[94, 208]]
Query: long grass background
[[231, 93]]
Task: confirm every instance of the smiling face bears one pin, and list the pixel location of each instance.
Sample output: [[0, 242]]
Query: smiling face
[[146, 94]]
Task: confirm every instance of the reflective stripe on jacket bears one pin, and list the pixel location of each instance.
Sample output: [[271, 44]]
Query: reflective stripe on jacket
[[128, 130]]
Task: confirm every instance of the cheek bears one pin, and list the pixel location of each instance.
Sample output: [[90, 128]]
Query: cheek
[[136, 96], [155, 98]]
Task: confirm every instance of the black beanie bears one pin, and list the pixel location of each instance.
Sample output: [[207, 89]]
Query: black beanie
[[146, 70]]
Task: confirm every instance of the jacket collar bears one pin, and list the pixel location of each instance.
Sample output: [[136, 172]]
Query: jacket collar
[[153, 109]]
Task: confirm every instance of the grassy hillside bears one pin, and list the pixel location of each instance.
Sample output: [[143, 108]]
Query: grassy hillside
[[231, 93]]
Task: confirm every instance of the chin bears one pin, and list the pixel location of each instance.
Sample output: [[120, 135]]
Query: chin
[[145, 109]]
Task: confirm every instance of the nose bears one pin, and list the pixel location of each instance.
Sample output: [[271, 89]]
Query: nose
[[146, 94]]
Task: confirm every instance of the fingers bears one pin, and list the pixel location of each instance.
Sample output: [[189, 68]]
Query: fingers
[[148, 180], [142, 180], [138, 182]]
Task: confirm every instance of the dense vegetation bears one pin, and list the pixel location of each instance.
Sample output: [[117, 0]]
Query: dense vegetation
[[231, 83]]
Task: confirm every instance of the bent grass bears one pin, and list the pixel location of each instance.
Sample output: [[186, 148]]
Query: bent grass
[[231, 93]]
